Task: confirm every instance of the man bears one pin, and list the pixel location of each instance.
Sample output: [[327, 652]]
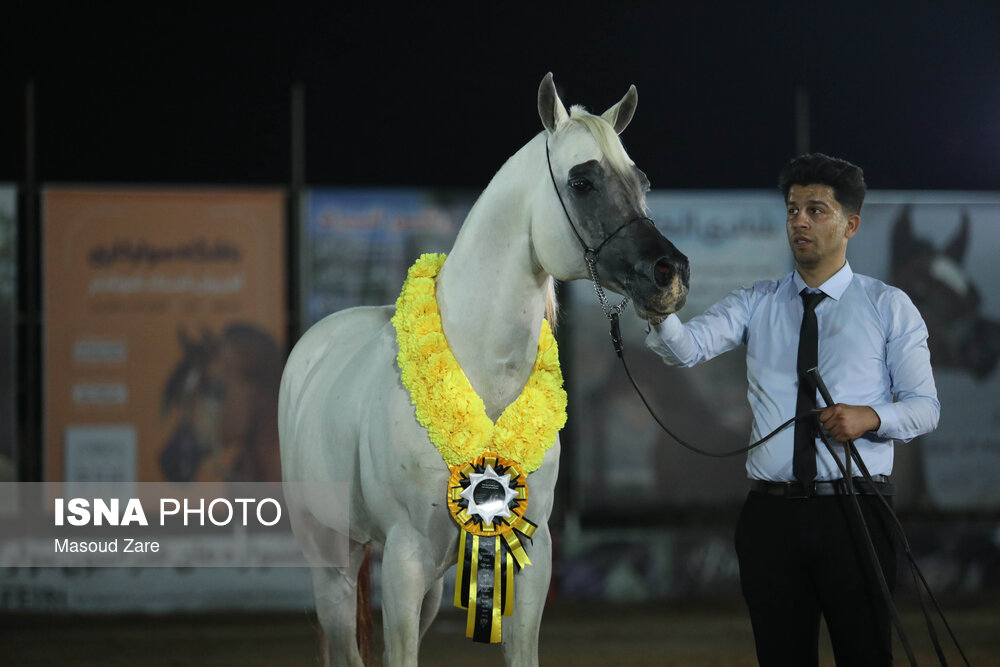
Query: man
[[799, 554]]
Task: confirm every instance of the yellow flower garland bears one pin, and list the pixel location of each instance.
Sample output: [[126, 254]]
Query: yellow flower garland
[[447, 405]]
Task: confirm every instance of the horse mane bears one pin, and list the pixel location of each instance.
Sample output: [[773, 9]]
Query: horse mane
[[606, 137], [551, 303]]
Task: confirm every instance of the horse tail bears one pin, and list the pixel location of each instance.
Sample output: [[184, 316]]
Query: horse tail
[[364, 609]]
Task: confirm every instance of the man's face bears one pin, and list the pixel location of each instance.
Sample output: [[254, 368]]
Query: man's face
[[818, 227]]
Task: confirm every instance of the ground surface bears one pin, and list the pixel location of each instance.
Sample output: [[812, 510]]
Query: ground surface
[[577, 635]]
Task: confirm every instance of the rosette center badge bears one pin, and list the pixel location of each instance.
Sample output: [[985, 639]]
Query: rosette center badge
[[488, 495]]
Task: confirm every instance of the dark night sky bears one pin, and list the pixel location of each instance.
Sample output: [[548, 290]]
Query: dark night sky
[[440, 97]]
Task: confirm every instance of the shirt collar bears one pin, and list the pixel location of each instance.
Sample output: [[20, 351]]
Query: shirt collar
[[834, 287]]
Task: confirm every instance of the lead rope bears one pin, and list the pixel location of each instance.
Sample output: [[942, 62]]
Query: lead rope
[[915, 572]]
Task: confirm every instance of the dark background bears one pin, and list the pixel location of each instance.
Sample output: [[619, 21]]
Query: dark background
[[441, 95], [438, 96]]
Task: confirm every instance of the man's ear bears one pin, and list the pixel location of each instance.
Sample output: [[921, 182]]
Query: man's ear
[[853, 223]]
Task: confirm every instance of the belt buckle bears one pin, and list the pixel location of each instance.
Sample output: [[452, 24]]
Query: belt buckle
[[800, 489]]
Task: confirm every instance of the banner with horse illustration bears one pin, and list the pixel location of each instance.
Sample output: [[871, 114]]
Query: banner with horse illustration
[[165, 324], [8, 333], [941, 248]]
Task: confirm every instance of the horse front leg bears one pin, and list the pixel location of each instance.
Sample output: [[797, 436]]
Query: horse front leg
[[431, 606], [531, 585], [407, 576], [335, 592]]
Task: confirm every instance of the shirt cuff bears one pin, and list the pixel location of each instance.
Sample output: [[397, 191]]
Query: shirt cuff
[[671, 326], [888, 418]]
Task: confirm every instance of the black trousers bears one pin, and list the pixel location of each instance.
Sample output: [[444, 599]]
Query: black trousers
[[801, 558]]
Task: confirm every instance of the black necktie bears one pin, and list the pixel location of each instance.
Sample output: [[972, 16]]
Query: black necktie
[[804, 459]]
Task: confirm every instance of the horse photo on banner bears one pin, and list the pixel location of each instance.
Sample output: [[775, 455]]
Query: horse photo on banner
[[941, 249], [165, 334]]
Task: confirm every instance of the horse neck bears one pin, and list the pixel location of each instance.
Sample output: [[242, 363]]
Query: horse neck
[[491, 292]]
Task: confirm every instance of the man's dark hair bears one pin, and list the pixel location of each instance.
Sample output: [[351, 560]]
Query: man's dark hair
[[846, 179]]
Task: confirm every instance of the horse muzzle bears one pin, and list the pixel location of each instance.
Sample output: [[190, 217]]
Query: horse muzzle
[[638, 261], [660, 285]]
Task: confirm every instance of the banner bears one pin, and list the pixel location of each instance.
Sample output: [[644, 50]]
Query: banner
[[623, 459], [356, 245], [164, 334], [941, 249], [8, 333]]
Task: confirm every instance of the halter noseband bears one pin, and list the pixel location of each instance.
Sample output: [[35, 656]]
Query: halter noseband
[[590, 255]]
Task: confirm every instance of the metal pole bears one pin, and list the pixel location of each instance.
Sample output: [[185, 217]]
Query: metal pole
[[29, 356], [296, 189]]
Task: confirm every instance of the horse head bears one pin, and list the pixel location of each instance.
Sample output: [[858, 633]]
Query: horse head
[[959, 336], [224, 389], [593, 182]]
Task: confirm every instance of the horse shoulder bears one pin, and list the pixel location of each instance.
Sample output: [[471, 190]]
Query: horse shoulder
[[347, 417], [402, 475], [318, 387]]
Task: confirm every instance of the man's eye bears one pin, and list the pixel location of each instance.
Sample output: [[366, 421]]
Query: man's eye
[[581, 185]]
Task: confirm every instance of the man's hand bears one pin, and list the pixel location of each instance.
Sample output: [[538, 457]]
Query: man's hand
[[653, 321], [847, 422]]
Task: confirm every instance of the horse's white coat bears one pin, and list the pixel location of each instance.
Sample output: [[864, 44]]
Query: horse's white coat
[[345, 416]]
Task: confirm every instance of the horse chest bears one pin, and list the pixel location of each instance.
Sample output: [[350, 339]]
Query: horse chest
[[501, 384]]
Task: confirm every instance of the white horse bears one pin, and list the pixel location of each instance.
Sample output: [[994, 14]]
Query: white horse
[[345, 415]]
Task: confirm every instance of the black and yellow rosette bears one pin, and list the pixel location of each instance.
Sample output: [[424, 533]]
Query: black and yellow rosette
[[488, 498]]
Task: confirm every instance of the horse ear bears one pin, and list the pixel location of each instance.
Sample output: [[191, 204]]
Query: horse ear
[[550, 107], [956, 247], [620, 115], [902, 237]]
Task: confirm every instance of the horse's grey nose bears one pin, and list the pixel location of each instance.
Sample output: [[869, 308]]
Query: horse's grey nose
[[666, 268]]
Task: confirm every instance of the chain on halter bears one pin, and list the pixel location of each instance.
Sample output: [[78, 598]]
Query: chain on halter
[[609, 310]]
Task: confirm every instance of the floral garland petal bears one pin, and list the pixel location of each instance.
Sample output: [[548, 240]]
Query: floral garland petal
[[447, 405]]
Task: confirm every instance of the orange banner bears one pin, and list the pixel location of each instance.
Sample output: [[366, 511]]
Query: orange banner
[[164, 334]]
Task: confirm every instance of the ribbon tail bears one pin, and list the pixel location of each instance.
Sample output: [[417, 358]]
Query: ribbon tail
[[485, 592], [463, 572], [517, 552], [471, 591]]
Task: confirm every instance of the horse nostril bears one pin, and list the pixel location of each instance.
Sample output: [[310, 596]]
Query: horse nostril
[[663, 272]]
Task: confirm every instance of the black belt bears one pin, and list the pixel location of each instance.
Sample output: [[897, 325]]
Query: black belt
[[836, 487]]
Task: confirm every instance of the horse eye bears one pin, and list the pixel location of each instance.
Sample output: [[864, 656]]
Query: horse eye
[[581, 185], [214, 389]]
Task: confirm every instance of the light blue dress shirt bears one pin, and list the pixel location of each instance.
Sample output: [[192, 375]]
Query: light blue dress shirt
[[872, 351]]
